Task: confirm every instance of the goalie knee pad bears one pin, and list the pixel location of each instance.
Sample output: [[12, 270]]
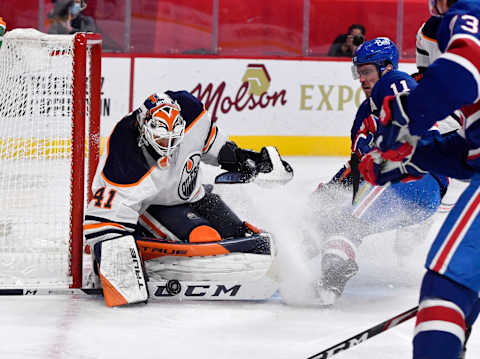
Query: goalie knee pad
[[121, 271], [204, 234]]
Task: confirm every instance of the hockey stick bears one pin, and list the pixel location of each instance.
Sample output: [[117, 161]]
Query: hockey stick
[[354, 161], [180, 290], [50, 291], [367, 334], [234, 178]]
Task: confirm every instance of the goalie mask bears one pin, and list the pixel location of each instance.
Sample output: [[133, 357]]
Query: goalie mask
[[162, 127]]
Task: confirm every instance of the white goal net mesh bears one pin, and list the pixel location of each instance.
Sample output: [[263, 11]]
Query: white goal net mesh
[[36, 85]]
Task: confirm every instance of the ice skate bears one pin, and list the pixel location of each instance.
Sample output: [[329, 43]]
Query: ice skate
[[338, 266]]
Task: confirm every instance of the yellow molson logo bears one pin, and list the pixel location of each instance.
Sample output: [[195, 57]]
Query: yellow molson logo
[[252, 93], [258, 79]]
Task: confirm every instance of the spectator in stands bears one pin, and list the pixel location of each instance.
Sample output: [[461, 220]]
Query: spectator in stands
[[346, 44], [68, 19], [81, 22], [61, 17]]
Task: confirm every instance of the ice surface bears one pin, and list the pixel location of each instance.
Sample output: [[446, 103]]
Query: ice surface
[[61, 327]]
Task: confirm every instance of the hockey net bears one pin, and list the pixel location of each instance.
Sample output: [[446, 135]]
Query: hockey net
[[49, 136]]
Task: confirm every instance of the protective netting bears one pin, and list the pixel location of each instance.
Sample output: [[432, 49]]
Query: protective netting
[[36, 87]]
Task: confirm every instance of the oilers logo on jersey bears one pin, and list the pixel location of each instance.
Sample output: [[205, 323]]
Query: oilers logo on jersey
[[189, 176]]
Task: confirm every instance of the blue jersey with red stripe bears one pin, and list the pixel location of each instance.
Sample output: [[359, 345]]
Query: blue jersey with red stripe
[[449, 294], [453, 80], [450, 83], [391, 83]]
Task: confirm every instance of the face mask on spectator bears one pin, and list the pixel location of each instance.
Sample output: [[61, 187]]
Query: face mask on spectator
[[76, 8]]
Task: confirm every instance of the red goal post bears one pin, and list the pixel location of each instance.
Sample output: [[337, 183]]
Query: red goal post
[[49, 149], [83, 45]]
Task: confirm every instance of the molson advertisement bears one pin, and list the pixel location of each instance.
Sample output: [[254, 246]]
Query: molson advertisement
[[303, 107]]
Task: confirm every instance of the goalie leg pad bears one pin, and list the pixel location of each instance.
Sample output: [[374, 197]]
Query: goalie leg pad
[[121, 271], [236, 263]]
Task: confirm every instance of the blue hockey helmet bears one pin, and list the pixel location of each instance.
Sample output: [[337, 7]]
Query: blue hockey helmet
[[380, 51]]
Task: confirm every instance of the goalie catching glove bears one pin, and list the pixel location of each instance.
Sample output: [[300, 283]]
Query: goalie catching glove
[[243, 166]]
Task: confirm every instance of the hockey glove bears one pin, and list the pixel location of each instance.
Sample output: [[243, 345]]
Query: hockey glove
[[246, 166], [363, 141], [272, 168], [241, 164], [378, 170], [393, 136]]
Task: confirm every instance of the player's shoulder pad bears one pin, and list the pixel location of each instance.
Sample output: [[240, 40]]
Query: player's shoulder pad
[[191, 107], [430, 28], [125, 163], [391, 83]]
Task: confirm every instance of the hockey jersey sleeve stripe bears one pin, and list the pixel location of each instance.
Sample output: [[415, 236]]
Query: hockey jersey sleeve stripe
[[106, 220], [88, 227], [422, 52], [130, 184], [429, 38], [90, 236], [471, 119], [465, 50], [455, 235], [469, 111], [474, 154], [151, 226], [210, 140], [196, 120]]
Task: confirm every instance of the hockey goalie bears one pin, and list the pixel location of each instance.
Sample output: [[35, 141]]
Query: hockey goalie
[[151, 215]]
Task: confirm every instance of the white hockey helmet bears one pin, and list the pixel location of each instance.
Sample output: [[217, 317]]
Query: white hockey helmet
[[162, 126]]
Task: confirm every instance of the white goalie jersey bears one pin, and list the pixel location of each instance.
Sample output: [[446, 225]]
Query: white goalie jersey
[[130, 177], [427, 47]]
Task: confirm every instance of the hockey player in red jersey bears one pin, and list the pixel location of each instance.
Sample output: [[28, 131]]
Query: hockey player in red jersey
[[449, 302], [151, 209]]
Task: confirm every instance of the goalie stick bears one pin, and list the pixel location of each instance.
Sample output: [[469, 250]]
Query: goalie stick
[[179, 290], [367, 334]]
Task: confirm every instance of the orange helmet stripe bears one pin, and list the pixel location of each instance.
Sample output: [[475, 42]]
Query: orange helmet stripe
[[169, 119]]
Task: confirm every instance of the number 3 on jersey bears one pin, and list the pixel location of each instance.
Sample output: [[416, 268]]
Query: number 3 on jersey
[[99, 198]]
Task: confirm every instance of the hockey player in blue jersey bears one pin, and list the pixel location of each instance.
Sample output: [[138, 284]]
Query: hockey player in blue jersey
[[376, 209], [150, 207], [449, 300]]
